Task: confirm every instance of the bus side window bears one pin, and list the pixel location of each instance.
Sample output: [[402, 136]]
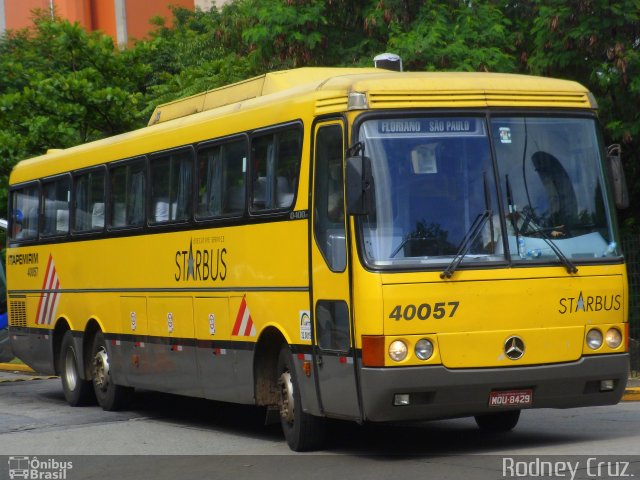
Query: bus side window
[[56, 195], [332, 318], [221, 179], [89, 199], [25, 205], [328, 221], [275, 167], [128, 194], [171, 186]]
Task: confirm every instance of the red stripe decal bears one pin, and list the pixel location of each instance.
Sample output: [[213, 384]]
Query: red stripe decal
[[44, 284], [236, 326]]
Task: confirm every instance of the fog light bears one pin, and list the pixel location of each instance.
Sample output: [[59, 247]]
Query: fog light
[[613, 338], [424, 349], [398, 350], [594, 339], [401, 399], [606, 385]]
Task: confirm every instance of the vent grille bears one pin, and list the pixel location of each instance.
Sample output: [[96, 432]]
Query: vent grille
[[478, 99], [18, 313], [331, 104]]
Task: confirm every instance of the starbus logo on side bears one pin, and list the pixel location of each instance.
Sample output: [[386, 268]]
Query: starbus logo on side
[[201, 264]]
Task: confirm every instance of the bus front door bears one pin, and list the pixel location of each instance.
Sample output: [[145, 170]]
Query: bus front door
[[334, 352]]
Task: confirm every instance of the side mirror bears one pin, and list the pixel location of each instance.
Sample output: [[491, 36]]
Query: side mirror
[[359, 183], [616, 177]]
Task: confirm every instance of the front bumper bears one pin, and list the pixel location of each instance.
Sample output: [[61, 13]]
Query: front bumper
[[439, 392]]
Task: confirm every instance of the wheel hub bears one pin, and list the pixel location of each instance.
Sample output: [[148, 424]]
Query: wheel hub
[[70, 373], [101, 369], [286, 403]]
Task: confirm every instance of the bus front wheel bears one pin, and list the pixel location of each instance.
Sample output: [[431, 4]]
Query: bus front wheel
[[110, 396], [498, 422], [302, 431], [77, 391]]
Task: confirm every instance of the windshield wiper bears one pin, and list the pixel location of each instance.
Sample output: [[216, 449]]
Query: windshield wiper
[[475, 230], [568, 264], [469, 237], [529, 223], [402, 244]]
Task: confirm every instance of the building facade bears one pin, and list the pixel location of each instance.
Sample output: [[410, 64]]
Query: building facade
[[123, 20]]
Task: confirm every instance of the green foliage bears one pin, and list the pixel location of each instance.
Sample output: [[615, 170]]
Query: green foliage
[[454, 35], [191, 57], [597, 43], [285, 34], [61, 86]]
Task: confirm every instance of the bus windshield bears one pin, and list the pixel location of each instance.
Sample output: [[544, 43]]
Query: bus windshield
[[436, 185]]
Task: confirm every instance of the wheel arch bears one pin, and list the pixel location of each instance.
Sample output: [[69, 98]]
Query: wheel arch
[[63, 325], [265, 365]]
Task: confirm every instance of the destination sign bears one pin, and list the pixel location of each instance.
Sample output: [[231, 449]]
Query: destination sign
[[431, 126]]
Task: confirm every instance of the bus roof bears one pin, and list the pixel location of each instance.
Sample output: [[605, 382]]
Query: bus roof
[[252, 88], [435, 87], [327, 91]]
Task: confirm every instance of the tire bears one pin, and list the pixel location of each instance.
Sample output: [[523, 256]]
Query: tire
[[110, 396], [77, 392], [302, 431], [498, 422]]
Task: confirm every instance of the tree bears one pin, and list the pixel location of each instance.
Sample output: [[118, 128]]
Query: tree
[[450, 35], [192, 56], [597, 43], [61, 86]]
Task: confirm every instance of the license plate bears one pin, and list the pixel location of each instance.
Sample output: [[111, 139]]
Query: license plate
[[511, 398]]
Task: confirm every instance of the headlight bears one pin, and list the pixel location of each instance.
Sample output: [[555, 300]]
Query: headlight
[[613, 338], [594, 339], [398, 350], [424, 349]]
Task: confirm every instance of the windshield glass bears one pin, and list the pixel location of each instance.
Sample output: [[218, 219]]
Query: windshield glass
[[552, 184], [435, 194], [433, 181]]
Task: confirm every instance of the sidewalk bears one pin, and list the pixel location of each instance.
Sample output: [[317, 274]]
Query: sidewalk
[[10, 372], [632, 393]]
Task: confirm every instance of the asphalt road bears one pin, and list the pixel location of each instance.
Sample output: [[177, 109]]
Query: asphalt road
[[165, 436]]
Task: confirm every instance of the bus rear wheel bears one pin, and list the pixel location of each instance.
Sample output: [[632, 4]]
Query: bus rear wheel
[[77, 391], [498, 422], [302, 431], [110, 396]]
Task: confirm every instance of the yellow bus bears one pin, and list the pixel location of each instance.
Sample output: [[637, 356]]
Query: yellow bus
[[358, 244]]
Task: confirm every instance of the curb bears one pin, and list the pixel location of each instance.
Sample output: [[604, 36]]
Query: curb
[[25, 379], [631, 394], [15, 367]]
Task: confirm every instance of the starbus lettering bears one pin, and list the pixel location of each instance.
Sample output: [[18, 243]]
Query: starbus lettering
[[201, 264], [595, 303]]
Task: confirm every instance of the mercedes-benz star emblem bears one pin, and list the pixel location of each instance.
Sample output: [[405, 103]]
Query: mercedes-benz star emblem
[[514, 348]]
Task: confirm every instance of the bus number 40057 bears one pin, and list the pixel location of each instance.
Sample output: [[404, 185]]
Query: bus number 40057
[[424, 311]]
